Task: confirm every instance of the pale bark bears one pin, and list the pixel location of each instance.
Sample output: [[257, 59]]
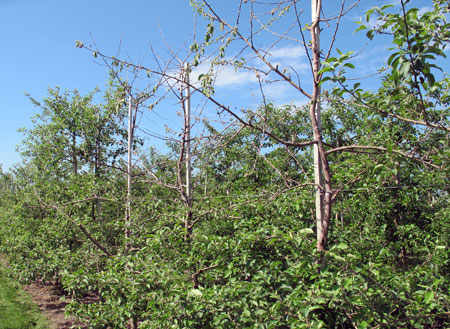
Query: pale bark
[[129, 172], [322, 175], [187, 138]]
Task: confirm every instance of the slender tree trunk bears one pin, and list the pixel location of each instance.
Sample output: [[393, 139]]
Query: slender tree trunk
[[397, 221], [133, 320], [74, 155], [98, 145], [129, 173], [187, 134], [322, 175], [316, 112]]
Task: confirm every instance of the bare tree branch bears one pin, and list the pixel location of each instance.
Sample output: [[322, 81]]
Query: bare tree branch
[[351, 148]]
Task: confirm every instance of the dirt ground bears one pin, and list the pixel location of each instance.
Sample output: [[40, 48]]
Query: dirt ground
[[46, 297]]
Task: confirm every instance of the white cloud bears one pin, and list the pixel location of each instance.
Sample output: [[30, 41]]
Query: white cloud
[[300, 103], [287, 52], [284, 57], [277, 91], [424, 10], [289, 57], [229, 76], [374, 22], [225, 76]]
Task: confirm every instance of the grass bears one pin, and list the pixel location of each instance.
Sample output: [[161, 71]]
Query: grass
[[17, 310]]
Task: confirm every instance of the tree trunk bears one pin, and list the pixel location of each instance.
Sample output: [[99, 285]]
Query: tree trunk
[[322, 175], [129, 173], [74, 154], [187, 136]]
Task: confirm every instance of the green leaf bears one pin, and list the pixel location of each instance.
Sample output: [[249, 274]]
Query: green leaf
[[312, 308], [430, 78], [384, 7], [342, 245], [324, 79], [306, 231], [429, 295], [337, 257], [350, 65], [404, 69], [360, 28], [398, 41], [363, 325], [195, 292], [389, 148], [260, 312], [391, 59], [331, 60]]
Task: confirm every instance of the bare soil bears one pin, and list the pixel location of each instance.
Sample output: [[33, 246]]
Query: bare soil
[[49, 301]]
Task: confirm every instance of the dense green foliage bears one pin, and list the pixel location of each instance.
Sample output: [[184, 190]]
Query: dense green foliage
[[244, 255]]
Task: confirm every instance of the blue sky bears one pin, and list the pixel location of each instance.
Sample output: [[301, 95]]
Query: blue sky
[[38, 49], [38, 52]]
